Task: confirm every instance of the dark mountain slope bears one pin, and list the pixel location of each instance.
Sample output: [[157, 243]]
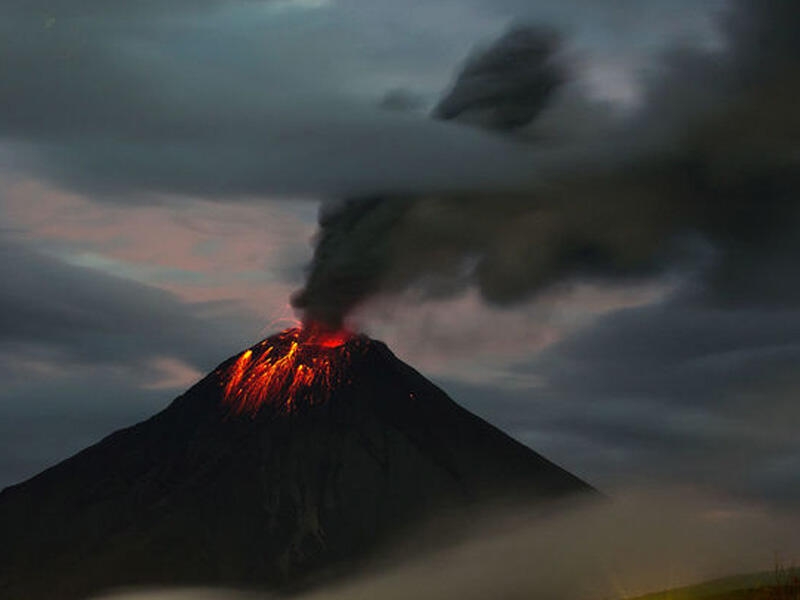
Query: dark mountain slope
[[201, 494]]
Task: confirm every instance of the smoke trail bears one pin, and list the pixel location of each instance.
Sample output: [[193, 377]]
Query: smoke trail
[[711, 153]]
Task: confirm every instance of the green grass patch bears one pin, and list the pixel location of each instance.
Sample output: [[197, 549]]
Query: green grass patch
[[779, 584]]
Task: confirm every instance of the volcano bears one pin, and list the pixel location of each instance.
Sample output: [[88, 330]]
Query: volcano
[[300, 455]]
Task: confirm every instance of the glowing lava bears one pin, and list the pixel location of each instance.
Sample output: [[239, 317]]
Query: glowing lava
[[297, 366]]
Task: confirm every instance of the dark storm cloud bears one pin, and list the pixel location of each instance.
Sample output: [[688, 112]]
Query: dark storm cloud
[[710, 156], [686, 391], [227, 102], [508, 84], [348, 156], [74, 314], [228, 97]]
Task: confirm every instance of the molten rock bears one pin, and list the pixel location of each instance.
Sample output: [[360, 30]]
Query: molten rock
[[292, 368]]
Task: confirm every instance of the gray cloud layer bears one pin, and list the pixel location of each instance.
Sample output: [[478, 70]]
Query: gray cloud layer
[[197, 102], [226, 97], [90, 317]]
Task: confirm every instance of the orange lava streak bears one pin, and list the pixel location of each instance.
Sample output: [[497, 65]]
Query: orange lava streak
[[296, 366]]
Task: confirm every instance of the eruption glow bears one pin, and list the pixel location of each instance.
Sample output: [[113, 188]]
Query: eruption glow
[[296, 366]]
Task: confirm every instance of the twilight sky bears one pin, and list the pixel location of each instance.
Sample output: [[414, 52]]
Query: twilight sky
[[614, 284]]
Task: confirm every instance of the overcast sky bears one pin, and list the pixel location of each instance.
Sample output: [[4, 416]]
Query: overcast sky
[[162, 164]]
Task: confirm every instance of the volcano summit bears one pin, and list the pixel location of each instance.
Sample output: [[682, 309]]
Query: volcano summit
[[294, 458]]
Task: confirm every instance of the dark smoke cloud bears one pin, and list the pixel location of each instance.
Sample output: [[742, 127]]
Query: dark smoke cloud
[[710, 157], [507, 85]]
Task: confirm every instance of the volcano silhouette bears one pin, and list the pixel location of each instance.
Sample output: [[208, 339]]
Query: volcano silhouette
[[213, 490]]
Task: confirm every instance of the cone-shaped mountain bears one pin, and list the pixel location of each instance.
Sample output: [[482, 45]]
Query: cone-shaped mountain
[[299, 454]]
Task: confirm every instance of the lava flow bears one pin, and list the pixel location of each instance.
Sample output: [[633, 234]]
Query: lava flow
[[293, 367]]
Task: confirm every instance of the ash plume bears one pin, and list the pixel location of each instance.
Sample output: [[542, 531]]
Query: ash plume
[[507, 85], [710, 155]]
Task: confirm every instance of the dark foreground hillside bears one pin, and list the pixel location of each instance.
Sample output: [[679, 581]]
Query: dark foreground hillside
[[780, 584]]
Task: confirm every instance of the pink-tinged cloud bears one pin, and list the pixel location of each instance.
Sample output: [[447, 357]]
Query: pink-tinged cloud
[[171, 373], [467, 339], [201, 251]]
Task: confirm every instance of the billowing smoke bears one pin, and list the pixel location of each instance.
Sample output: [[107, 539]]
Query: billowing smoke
[[507, 85], [711, 156]]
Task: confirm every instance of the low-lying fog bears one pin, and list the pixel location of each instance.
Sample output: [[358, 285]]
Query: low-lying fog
[[646, 541]]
